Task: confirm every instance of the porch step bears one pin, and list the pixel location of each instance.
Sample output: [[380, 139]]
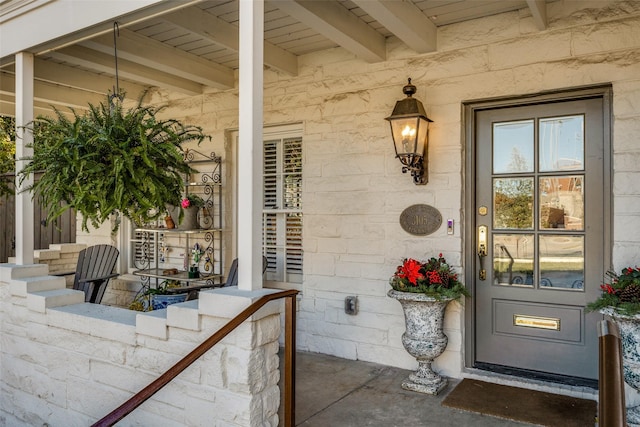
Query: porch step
[[40, 301], [21, 287]]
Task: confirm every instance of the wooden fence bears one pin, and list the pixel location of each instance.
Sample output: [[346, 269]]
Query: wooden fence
[[63, 230]]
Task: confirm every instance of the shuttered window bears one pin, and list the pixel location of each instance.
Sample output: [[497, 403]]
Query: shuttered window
[[282, 214]]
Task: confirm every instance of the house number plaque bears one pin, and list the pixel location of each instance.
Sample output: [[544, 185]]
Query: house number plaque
[[420, 220]]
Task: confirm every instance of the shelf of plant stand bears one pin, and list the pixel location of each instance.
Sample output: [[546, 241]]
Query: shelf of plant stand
[[202, 184], [177, 230], [182, 276]]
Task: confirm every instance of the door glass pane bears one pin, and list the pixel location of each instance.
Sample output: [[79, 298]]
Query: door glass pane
[[562, 202], [513, 259], [513, 147], [513, 203], [562, 261], [562, 144]]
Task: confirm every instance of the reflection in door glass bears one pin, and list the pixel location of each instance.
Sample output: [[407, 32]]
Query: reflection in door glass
[[561, 144], [562, 202], [562, 261], [513, 259], [513, 203], [513, 147]]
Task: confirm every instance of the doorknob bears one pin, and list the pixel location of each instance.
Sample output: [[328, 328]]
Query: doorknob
[[482, 249]]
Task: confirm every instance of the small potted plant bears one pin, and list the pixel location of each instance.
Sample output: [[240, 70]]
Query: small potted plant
[[424, 289], [191, 205], [159, 297], [620, 300]]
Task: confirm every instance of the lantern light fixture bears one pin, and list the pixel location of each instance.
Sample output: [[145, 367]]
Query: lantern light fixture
[[409, 129]]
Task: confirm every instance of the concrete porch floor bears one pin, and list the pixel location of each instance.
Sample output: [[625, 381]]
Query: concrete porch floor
[[334, 392]]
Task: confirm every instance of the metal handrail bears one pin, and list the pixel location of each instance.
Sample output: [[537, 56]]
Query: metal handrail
[[289, 361], [611, 405]]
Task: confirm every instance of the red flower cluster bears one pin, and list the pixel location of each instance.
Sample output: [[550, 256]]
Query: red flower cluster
[[410, 270], [413, 273], [608, 288]]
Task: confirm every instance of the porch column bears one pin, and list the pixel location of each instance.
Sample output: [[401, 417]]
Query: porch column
[[250, 145], [24, 116]]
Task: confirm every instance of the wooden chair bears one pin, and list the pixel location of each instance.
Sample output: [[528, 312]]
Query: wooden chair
[[232, 280], [232, 277], [94, 270]]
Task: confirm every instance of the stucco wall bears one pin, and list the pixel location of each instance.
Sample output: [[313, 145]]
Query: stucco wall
[[354, 190], [67, 363]]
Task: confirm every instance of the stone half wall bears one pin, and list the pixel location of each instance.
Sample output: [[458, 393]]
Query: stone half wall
[[67, 363]]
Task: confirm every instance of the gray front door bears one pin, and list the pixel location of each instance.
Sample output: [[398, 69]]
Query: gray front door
[[539, 236]]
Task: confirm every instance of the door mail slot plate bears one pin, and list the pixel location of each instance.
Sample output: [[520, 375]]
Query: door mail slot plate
[[562, 323], [536, 322]]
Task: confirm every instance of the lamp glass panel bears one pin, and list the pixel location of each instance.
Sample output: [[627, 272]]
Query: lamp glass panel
[[404, 134], [423, 127]]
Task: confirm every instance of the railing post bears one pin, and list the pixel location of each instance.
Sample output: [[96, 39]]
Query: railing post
[[611, 406], [290, 362]]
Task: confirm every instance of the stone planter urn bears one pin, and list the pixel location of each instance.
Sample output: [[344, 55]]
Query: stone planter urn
[[629, 327], [423, 339]]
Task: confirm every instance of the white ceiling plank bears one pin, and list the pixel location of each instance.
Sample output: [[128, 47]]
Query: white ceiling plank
[[338, 24], [404, 20], [81, 79], [221, 32], [539, 12], [100, 62], [52, 94], [154, 54]]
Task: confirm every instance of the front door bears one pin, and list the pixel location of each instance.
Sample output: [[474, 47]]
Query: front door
[[539, 236]]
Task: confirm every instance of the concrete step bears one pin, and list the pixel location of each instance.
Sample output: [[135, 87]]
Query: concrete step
[[21, 287], [40, 301]]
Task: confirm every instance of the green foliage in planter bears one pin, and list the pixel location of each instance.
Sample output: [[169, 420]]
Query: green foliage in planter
[[7, 154], [110, 161]]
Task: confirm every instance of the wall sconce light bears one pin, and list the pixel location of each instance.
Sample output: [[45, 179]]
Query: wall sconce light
[[409, 129]]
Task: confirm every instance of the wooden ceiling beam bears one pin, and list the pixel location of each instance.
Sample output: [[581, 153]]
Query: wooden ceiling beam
[[52, 94], [159, 56], [224, 34], [100, 62], [405, 20], [53, 72], [336, 23], [539, 12]]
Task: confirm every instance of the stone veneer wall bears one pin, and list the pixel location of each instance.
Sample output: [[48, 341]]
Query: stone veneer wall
[[67, 363], [353, 188]]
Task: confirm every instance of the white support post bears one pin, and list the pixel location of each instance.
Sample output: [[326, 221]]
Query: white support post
[[24, 138], [250, 145]]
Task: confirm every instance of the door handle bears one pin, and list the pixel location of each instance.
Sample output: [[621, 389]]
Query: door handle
[[482, 249]]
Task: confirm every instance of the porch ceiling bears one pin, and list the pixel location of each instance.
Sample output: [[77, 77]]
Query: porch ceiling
[[195, 49]]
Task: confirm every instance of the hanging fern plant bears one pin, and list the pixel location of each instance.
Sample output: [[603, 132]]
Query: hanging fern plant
[[110, 161]]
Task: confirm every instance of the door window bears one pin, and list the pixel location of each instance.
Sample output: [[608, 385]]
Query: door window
[[551, 188]]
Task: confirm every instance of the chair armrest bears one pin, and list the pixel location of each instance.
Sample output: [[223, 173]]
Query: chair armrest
[[97, 279]]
